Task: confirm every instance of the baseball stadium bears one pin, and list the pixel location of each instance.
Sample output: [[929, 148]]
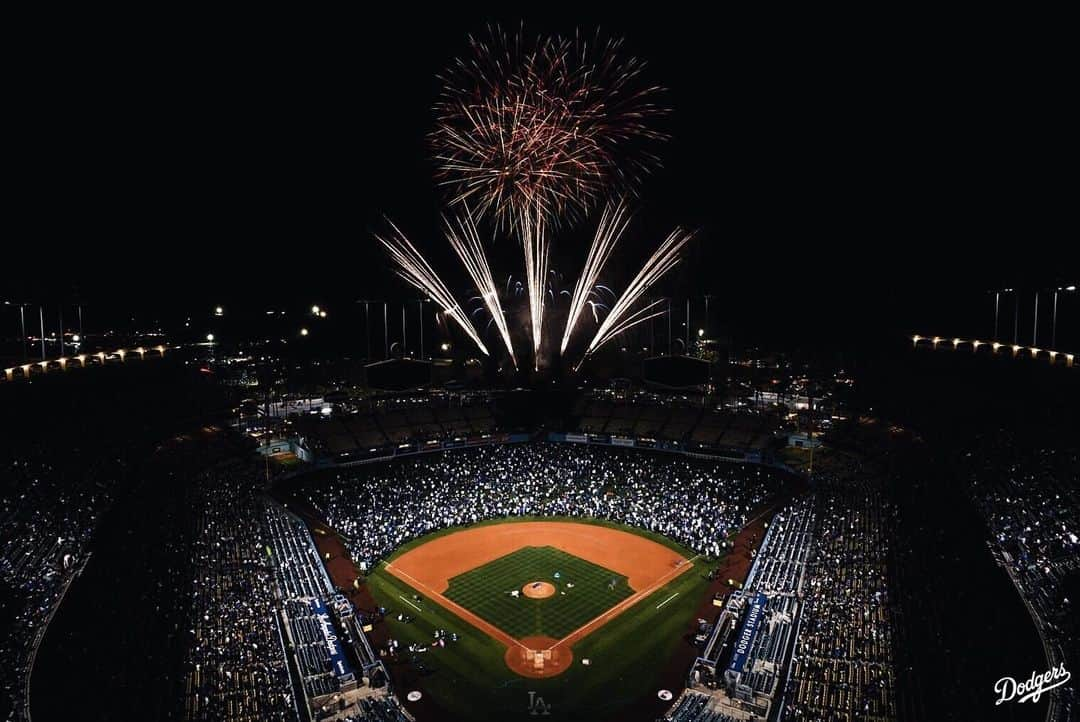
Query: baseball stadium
[[576, 365], [555, 598]]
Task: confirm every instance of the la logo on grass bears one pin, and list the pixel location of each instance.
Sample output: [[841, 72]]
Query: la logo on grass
[[537, 706]]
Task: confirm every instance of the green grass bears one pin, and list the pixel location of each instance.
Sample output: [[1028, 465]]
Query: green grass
[[486, 589], [470, 679]]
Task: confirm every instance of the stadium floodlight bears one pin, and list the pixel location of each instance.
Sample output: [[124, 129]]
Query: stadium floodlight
[[219, 311], [303, 332], [210, 337], [315, 310]]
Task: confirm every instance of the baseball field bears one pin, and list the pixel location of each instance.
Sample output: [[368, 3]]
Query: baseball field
[[576, 618]]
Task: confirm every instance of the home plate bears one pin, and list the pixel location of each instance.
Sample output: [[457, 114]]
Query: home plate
[[664, 695]]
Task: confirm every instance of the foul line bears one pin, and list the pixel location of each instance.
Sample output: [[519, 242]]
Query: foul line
[[667, 600], [471, 617], [630, 601], [410, 603]]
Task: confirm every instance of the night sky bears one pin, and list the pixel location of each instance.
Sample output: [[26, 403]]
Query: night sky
[[845, 172]]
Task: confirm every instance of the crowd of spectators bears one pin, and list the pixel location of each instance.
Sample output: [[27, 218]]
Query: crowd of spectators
[[235, 666], [49, 509], [1029, 497], [696, 502], [843, 667]]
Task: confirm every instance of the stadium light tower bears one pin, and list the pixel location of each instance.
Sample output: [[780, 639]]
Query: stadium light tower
[[1035, 330], [22, 325], [1053, 326]]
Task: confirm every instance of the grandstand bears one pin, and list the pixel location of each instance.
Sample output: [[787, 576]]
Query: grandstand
[[682, 422], [324, 637], [743, 661], [384, 427]]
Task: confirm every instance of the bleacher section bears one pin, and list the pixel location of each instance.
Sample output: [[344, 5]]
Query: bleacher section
[[322, 633], [743, 662], [671, 419], [351, 436], [694, 707]]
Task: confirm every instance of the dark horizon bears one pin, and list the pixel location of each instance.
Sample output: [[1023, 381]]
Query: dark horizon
[[852, 179]]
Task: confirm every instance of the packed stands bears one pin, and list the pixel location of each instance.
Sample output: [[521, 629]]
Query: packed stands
[[696, 502]]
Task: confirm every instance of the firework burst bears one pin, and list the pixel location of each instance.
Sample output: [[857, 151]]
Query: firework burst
[[533, 133], [543, 128]]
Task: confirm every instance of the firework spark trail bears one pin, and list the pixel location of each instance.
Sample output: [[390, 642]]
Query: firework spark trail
[[465, 240], [415, 269], [536, 271], [613, 223], [620, 319]]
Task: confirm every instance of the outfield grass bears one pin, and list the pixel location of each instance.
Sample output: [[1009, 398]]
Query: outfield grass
[[583, 591], [471, 681]]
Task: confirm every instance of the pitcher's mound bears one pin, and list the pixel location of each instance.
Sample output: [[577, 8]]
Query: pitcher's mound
[[535, 658], [538, 590]]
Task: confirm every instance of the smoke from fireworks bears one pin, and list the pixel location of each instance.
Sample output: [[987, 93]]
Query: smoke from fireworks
[[414, 268]]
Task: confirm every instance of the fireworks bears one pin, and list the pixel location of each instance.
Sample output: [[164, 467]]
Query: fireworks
[[538, 131], [465, 240], [414, 268], [620, 319], [612, 224], [533, 134]]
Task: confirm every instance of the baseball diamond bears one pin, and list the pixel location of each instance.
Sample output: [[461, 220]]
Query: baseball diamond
[[599, 573], [583, 591]]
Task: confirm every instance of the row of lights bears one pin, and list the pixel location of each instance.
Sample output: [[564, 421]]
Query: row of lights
[[995, 345], [81, 358]]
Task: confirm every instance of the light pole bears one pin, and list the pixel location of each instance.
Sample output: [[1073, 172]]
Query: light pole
[[41, 319], [707, 297], [1035, 329], [997, 309], [386, 332], [687, 349], [1053, 332], [421, 303], [22, 326], [669, 326], [1016, 318]]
